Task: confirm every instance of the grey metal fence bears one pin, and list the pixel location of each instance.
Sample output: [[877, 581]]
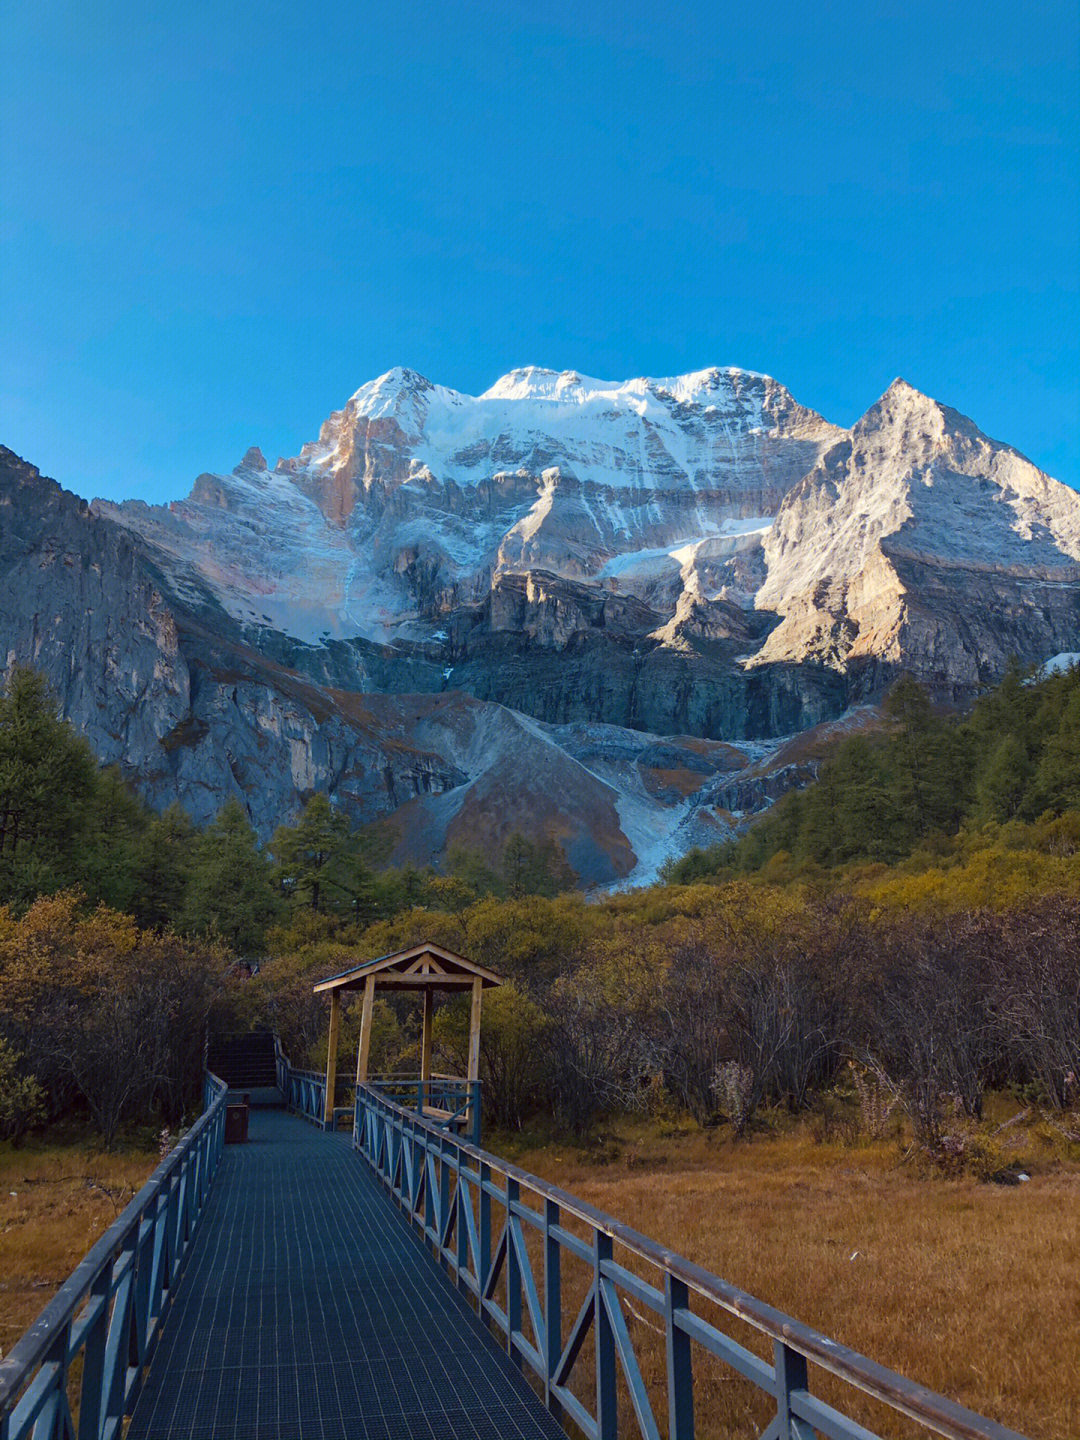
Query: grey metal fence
[[447, 1188], [78, 1369]]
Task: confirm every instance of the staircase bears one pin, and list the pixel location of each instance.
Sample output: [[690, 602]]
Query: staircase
[[247, 1064]]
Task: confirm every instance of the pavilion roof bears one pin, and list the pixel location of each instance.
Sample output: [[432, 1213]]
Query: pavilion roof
[[421, 966]]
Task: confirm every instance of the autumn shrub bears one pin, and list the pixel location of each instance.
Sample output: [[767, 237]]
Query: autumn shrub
[[515, 1060], [22, 1101], [106, 1016], [1035, 994]]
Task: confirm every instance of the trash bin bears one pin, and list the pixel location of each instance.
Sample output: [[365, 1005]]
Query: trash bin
[[236, 1122]]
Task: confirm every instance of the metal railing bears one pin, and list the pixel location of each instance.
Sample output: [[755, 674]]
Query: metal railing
[[107, 1316], [455, 1101], [447, 1189], [304, 1090]]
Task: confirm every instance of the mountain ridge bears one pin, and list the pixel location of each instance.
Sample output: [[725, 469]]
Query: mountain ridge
[[639, 568]]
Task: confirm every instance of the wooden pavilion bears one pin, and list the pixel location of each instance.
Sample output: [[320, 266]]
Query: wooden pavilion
[[425, 968]]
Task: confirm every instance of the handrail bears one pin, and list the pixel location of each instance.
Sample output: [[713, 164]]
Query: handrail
[[413, 1075], [305, 1093], [456, 1099], [129, 1275], [437, 1189], [304, 1090]]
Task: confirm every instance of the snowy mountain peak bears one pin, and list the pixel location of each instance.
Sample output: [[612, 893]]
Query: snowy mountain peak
[[387, 394], [533, 382], [418, 502], [700, 387]]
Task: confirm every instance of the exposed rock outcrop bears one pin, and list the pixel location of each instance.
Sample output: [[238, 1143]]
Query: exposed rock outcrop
[[919, 544]]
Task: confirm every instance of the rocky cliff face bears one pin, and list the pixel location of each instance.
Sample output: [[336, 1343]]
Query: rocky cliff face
[[917, 543], [78, 602], [535, 607], [164, 683]]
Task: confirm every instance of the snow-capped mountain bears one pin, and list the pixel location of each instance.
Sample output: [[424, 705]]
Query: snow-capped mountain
[[591, 608], [415, 497]]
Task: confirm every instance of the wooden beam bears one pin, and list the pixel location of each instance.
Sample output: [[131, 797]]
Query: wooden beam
[[395, 980], [391, 980], [331, 1056], [444, 959], [425, 1036], [472, 1118], [474, 1029], [364, 1048]]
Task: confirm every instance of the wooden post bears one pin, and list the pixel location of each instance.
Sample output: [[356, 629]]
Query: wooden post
[[425, 1038], [331, 1057], [473, 1073], [364, 1048], [474, 1029]]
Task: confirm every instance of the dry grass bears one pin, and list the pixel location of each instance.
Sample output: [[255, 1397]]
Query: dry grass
[[54, 1203], [969, 1288]]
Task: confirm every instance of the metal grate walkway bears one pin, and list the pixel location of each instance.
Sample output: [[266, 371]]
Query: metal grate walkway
[[310, 1311]]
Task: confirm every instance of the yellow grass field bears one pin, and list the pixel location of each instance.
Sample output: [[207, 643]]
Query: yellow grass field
[[971, 1288], [54, 1203]]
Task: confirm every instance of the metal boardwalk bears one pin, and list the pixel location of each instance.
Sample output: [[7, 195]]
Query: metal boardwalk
[[308, 1311]]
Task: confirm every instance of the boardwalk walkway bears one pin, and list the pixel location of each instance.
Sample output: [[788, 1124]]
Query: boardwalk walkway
[[310, 1311]]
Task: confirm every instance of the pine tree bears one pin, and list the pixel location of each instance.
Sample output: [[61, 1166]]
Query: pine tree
[[1004, 782], [306, 852], [868, 821], [230, 894], [117, 823], [353, 879], [1056, 782], [164, 869], [48, 778]]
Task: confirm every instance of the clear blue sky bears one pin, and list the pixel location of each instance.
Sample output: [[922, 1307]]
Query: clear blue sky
[[220, 218]]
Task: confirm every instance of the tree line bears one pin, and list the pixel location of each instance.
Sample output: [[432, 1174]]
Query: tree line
[[754, 979], [120, 927], [922, 778], [67, 822]]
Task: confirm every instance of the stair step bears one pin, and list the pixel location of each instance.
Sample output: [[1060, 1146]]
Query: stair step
[[244, 1061]]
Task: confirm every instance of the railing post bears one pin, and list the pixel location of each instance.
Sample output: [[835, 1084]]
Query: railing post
[[513, 1275], [483, 1260], [552, 1339], [607, 1400], [116, 1344], [475, 1098], [92, 1392], [444, 1195], [462, 1192], [790, 1370], [54, 1417], [680, 1380]]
